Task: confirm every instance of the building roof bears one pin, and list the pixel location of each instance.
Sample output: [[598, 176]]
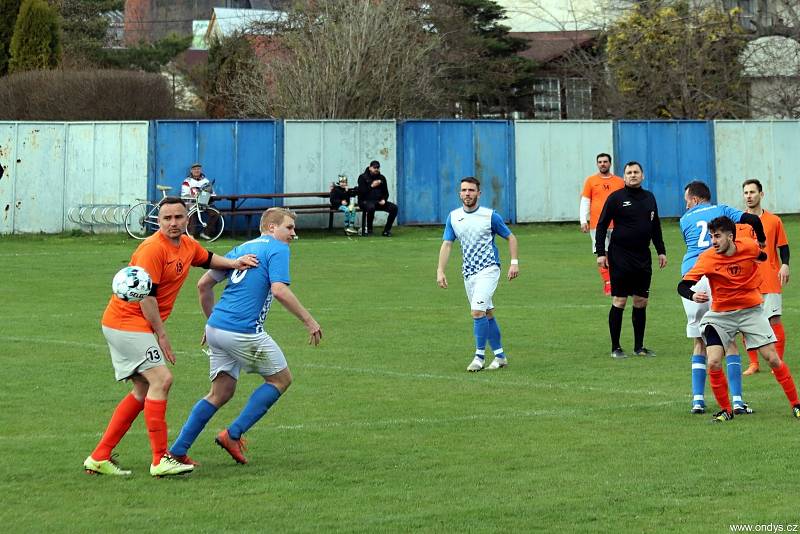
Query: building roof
[[226, 21], [547, 46]]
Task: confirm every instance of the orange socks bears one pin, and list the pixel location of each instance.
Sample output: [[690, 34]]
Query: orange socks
[[784, 378], [719, 385], [155, 418], [780, 345], [123, 417], [604, 274]]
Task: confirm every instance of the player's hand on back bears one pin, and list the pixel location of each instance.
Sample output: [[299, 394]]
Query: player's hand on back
[[246, 261], [700, 296]]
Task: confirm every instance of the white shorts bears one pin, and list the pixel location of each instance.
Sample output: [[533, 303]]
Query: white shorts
[[751, 322], [696, 310], [132, 352], [481, 287], [772, 305], [233, 352], [593, 232]]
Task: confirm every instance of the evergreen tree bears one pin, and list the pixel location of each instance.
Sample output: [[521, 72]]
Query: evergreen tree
[[8, 17], [36, 43], [84, 28]]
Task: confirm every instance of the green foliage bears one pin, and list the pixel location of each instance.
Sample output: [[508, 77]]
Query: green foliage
[[383, 430], [36, 43], [674, 62], [8, 17], [226, 57], [84, 29], [150, 57]]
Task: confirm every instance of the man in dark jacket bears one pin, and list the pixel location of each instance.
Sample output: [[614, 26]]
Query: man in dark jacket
[[373, 195]]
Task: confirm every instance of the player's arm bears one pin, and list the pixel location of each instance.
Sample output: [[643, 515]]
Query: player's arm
[[149, 306], [783, 272], [606, 216], [205, 289], [658, 237], [285, 296], [585, 210], [755, 222], [241, 263], [444, 257], [513, 268], [690, 279]]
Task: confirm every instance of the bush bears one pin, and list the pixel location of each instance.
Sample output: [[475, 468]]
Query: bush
[[85, 95]]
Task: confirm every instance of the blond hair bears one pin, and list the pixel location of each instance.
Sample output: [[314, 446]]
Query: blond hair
[[274, 216]]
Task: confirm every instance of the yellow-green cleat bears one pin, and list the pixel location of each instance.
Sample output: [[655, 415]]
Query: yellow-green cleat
[[169, 466], [103, 467]]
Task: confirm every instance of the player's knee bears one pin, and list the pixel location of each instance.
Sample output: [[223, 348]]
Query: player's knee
[[712, 337], [281, 380], [769, 353]]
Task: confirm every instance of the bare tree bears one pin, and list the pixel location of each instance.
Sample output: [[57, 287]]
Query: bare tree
[[340, 59]]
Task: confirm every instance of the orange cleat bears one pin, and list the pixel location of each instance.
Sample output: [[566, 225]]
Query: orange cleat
[[235, 447], [751, 370], [184, 459]]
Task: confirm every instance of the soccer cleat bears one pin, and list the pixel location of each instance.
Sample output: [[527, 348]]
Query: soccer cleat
[[475, 365], [742, 409], [235, 447], [170, 466], [698, 409], [618, 354], [103, 467], [721, 417], [751, 370], [644, 352], [796, 410], [184, 459], [498, 363], [350, 231], [387, 234]]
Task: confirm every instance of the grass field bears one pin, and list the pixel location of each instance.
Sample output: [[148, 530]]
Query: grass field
[[383, 430]]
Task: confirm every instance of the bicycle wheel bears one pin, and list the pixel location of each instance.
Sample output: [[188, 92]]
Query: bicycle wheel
[[207, 222], [141, 220]]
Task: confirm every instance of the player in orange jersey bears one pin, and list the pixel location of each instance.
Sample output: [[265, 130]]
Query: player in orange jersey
[[596, 189], [733, 275], [139, 343], [774, 271]]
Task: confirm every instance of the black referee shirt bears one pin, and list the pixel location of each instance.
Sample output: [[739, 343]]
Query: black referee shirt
[[635, 215]]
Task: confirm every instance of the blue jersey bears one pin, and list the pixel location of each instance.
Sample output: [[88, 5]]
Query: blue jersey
[[245, 302], [694, 227], [476, 231]]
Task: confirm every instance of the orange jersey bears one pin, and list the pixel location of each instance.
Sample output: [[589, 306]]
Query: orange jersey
[[597, 188], [168, 266], [776, 237], [734, 280]]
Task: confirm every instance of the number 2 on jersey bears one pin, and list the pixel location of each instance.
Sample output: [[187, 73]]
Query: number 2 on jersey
[[702, 242]]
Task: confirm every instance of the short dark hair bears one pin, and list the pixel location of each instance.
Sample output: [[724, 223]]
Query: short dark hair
[[724, 224], [375, 163], [698, 189], [631, 164], [753, 181], [472, 180], [603, 155], [172, 200]]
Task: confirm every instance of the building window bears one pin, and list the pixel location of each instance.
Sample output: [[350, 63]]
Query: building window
[[547, 98], [578, 98], [746, 11]]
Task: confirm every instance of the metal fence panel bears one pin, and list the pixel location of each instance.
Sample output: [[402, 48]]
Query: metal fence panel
[[435, 156], [766, 150], [673, 153], [8, 159], [39, 180], [553, 158], [316, 152]]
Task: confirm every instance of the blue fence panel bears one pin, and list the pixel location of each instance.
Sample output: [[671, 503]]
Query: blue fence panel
[[242, 157], [435, 156], [673, 153]]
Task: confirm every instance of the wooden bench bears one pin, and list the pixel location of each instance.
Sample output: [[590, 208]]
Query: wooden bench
[[238, 207]]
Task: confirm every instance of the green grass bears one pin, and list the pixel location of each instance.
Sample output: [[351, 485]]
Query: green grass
[[383, 430]]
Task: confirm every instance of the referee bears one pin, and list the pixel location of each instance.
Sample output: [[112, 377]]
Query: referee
[[634, 212]]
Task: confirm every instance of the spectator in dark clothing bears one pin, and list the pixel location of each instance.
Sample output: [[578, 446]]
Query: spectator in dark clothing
[[634, 212], [342, 198], [373, 195]]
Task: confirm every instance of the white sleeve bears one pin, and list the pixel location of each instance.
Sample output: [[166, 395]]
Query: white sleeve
[[186, 189], [584, 214]]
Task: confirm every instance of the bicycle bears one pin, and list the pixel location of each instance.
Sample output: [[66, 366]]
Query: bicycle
[[141, 220]]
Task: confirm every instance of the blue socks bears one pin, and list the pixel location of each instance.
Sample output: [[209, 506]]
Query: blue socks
[[480, 328], [698, 379], [260, 401], [734, 363], [201, 414], [493, 335]]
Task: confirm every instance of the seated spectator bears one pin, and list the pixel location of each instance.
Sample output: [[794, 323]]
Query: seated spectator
[[195, 183], [373, 195], [343, 199]]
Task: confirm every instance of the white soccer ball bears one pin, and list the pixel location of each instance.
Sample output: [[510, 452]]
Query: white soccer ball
[[131, 284]]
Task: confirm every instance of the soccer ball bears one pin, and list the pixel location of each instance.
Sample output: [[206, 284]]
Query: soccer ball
[[131, 284]]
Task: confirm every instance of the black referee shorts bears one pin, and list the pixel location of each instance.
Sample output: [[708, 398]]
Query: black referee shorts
[[627, 281]]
